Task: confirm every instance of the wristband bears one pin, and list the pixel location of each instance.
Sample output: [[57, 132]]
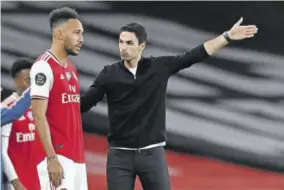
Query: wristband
[[51, 157], [226, 36]]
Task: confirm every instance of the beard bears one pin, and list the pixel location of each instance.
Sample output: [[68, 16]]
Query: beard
[[68, 47], [71, 52]]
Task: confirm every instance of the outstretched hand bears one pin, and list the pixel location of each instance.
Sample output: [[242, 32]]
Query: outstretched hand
[[240, 32]]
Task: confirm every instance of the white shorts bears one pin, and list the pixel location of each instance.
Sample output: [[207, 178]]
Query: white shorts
[[75, 175]]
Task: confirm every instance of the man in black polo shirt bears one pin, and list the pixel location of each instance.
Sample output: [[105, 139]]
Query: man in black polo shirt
[[136, 94]]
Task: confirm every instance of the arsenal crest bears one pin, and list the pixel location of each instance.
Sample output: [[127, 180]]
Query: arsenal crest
[[68, 76]]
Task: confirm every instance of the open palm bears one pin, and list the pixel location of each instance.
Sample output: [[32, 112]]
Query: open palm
[[240, 32]]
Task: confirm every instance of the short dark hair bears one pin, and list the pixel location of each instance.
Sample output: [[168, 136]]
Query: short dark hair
[[136, 28], [61, 15], [21, 64]]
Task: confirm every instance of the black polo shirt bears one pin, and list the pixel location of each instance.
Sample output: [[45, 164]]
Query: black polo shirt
[[137, 104]]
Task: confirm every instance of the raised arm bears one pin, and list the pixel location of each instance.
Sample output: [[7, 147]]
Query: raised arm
[[95, 92], [237, 32], [201, 52]]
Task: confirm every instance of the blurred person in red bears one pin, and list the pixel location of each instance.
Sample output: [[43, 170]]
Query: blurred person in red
[[19, 138], [55, 100]]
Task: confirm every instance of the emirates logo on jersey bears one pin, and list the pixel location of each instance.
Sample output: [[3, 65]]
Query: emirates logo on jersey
[[26, 137], [70, 98], [68, 76], [31, 127]]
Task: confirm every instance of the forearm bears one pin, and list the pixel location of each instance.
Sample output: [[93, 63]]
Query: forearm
[[237, 32], [44, 134], [95, 92], [214, 45], [201, 52], [91, 97], [179, 62], [9, 115], [85, 103]]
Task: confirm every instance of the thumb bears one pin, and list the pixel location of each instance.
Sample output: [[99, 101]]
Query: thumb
[[239, 22]]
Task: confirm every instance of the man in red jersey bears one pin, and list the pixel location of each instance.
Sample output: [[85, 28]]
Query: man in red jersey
[[55, 99], [19, 150]]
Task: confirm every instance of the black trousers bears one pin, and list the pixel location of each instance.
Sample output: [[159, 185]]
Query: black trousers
[[150, 165]]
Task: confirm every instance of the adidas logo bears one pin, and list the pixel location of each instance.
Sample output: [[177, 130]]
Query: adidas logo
[[62, 77], [75, 76]]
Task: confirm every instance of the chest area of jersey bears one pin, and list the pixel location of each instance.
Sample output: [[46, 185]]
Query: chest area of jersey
[[66, 79], [23, 129], [66, 88]]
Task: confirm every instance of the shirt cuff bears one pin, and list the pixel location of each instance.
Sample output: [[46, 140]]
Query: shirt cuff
[[202, 51]]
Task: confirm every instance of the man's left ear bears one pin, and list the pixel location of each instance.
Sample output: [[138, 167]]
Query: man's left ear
[[143, 45]]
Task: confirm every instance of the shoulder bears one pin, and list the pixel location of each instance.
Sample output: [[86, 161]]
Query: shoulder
[[41, 64], [41, 69], [113, 65], [43, 61], [107, 73], [107, 69]]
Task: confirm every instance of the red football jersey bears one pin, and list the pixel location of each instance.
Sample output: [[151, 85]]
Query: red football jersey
[[59, 84], [22, 149]]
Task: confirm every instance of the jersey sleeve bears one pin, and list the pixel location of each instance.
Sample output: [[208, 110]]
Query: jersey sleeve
[[6, 130], [9, 169], [41, 80]]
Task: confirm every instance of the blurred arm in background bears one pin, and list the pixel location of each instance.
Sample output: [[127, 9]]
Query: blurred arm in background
[[11, 114]]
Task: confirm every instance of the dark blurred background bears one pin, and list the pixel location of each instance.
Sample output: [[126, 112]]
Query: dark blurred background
[[225, 116]]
